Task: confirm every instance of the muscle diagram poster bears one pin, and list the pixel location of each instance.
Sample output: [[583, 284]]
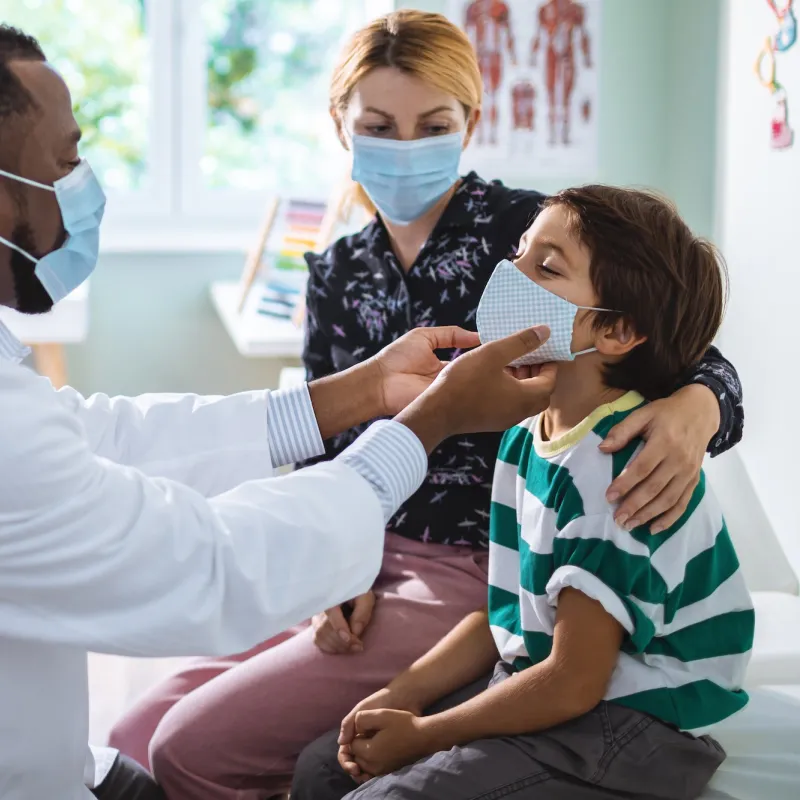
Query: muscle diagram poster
[[538, 59]]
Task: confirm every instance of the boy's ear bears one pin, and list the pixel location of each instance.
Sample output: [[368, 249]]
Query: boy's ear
[[618, 339]]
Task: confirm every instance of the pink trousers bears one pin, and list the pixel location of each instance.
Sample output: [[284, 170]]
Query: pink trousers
[[234, 727]]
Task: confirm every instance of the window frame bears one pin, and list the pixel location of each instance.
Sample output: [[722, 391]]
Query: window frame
[[175, 211], [154, 199]]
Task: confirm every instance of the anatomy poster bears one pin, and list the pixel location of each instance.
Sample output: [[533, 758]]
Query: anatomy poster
[[538, 59]]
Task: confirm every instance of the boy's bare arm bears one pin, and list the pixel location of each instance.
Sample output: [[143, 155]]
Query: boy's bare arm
[[571, 682], [466, 654], [463, 656]]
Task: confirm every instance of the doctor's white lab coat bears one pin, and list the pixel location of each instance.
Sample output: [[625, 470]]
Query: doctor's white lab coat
[[109, 543]]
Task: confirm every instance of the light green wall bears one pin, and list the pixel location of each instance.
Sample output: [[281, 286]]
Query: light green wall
[[152, 325], [152, 328], [693, 56]]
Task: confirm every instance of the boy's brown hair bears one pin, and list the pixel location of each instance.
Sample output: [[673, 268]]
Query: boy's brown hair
[[648, 266]]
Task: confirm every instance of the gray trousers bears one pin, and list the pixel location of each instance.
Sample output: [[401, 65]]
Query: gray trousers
[[611, 752], [128, 781]]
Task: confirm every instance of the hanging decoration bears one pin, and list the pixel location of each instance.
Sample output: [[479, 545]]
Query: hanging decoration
[[782, 135]]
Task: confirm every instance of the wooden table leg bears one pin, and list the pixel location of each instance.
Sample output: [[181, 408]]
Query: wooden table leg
[[50, 362]]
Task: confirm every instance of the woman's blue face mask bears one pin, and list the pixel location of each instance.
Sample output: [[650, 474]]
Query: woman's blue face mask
[[82, 202], [406, 178]]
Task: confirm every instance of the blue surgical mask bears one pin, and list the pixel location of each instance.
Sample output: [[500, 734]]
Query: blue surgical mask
[[82, 202], [406, 178], [512, 302]]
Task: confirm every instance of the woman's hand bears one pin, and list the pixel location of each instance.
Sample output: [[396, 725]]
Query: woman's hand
[[409, 366], [658, 484], [335, 634]]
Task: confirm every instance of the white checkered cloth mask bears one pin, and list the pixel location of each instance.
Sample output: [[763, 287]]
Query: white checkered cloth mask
[[512, 302]]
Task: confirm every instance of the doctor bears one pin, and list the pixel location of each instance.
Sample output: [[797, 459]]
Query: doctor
[[126, 525]]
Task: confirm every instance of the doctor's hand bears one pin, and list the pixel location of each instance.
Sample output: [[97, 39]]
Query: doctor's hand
[[410, 365], [478, 392], [338, 630], [385, 384]]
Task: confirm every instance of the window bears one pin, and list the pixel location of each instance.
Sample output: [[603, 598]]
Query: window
[[106, 62], [196, 112]]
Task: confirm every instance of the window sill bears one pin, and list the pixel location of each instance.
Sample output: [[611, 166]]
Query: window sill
[[179, 238]]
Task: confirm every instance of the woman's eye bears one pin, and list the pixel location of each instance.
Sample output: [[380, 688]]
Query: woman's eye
[[437, 130], [378, 130], [545, 270]]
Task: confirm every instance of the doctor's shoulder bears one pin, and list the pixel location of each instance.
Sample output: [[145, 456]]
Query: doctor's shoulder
[[38, 435]]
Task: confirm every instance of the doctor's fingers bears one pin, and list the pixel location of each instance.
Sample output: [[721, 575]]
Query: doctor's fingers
[[527, 396], [523, 373], [449, 338], [542, 382], [504, 351]]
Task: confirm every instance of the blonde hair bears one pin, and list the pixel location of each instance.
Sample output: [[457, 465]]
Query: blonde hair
[[426, 46]]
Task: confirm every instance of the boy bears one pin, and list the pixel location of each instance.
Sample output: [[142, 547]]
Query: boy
[[619, 650]]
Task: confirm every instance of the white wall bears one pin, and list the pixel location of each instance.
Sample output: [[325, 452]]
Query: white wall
[[759, 232]]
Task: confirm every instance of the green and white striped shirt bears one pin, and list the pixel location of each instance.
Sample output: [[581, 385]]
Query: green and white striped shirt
[[680, 595]]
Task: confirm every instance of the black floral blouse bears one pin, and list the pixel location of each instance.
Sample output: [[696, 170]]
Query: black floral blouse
[[359, 300]]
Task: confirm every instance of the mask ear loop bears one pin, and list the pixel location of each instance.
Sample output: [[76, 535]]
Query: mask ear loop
[[27, 180], [19, 250], [37, 185], [591, 308]]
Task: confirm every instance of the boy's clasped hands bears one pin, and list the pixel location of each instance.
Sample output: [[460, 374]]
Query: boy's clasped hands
[[382, 734]]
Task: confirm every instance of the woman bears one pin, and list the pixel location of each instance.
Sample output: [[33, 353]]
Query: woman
[[405, 100]]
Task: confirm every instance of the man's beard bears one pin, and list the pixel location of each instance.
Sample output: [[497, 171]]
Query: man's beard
[[31, 296]]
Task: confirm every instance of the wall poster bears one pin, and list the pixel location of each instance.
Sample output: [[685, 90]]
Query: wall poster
[[538, 59]]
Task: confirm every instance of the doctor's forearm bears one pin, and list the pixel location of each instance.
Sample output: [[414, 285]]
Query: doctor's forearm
[[347, 398], [298, 419], [389, 456]]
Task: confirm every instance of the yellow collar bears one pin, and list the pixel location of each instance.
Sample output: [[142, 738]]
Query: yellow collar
[[553, 447]]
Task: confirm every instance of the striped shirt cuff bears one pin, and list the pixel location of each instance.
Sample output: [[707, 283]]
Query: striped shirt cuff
[[392, 459], [292, 428], [11, 349]]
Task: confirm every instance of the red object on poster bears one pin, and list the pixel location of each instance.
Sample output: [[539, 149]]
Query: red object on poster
[[559, 21], [523, 103], [488, 24]]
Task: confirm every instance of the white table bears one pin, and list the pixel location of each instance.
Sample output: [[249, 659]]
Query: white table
[[67, 323], [253, 334]]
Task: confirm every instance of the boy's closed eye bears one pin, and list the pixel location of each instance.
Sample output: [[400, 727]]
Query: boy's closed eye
[[548, 271]]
